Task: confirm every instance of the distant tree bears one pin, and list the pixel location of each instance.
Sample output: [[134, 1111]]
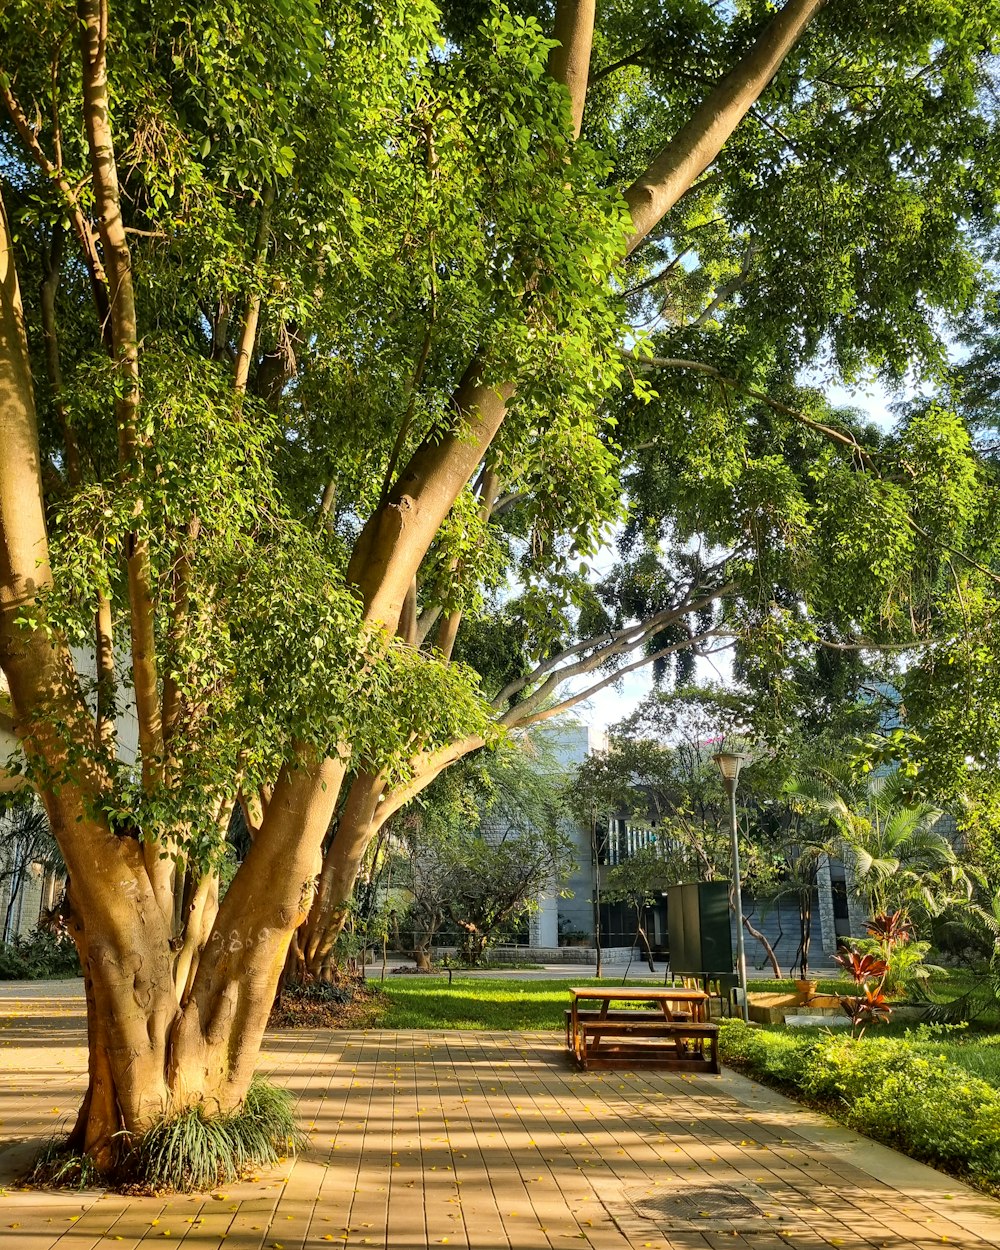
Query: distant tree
[[26, 841], [636, 882], [486, 844]]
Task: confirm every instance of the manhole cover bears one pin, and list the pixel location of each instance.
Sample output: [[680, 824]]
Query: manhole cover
[[679, 1206], [701, 1202]]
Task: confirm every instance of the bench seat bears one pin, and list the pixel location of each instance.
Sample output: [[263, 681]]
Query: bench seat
[[674, 1045], [640, 1015]]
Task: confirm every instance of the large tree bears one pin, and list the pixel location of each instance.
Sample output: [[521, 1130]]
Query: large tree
[[305, 291]]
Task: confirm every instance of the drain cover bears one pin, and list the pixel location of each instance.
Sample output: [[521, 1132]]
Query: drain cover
[[698, 1202], [679, 1206]]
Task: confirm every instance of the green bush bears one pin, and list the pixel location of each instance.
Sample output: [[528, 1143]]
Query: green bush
[[898, 1090], [908, 966], [38, 956]]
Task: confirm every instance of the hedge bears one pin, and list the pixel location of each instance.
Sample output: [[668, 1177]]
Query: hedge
[[896, 1090]]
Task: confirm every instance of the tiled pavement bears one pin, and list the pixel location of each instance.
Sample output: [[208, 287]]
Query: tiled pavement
[[491, 1142]]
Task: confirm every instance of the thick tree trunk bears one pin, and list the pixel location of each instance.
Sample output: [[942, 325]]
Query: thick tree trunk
[[218, 1034], [152, 1051], [368, 806], [569, 60]]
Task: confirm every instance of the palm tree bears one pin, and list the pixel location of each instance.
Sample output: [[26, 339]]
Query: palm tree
[[900, 859]]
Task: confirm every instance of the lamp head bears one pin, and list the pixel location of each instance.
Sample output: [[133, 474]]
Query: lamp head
[[730, 763]]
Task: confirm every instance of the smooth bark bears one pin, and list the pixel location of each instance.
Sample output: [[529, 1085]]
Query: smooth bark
[[700, 140], [569, 61], [166, 1031], [251, 318], [93, 17]]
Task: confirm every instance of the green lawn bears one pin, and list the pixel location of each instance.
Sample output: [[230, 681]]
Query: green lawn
[[490, 1003], [496, 1003]]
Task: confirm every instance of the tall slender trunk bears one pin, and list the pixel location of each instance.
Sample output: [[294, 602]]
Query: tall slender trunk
[[355, 829], [368, 806], [399, 532]]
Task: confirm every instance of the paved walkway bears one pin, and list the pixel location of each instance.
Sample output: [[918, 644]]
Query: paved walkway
[[490, 1142]]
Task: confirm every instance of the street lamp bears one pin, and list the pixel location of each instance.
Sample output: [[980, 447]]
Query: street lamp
[[730, 763]]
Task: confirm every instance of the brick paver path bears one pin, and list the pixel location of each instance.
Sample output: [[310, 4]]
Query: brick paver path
[[490, 1142]]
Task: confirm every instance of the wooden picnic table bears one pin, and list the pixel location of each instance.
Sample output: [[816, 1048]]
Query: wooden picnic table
[[629, 1037]]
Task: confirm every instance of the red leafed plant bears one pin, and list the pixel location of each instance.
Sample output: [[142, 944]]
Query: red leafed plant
[[869, 972], [861, 967], [866, 1008], [891, 928]]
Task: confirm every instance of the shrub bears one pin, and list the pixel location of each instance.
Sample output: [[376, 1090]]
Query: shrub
[[908, 966], [897, 1090], [37, 956]]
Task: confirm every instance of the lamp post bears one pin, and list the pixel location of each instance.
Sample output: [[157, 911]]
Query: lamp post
[[730, 763], [595, 856]]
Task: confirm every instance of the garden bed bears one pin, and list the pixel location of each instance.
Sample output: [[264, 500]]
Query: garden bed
[[317, 1005], [934, 1094]]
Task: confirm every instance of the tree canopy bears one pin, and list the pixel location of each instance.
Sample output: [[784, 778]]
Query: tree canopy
[[332, 332]]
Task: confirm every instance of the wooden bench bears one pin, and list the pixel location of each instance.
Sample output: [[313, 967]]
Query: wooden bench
[[638, 1015], [675, 1045]]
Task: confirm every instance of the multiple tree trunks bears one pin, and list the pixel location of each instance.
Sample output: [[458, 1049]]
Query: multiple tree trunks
[[156, 1046], [176, 1013], [392, 545]]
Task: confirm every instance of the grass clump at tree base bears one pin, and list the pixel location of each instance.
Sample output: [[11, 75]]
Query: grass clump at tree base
[[918, 1092], [189, 1151]]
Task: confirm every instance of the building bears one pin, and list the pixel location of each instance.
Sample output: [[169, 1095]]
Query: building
[[607, 841]]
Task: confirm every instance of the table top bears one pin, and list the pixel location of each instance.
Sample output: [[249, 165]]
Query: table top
[[664, 995]]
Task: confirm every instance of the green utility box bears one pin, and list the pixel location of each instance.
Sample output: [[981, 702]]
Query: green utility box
[[698, 929]]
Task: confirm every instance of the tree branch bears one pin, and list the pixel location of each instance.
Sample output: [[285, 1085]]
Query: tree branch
[[178, 627], [697, 366], [534, 717], [71, 200], [728, 289], [633, 58], [93, 15], [424, 767], [251, 318], [489, 488], [845, 438], [614, 642], [569, 60], [701, 138]]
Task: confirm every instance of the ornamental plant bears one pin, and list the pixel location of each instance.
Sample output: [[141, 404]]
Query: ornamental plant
[[890, 931]]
